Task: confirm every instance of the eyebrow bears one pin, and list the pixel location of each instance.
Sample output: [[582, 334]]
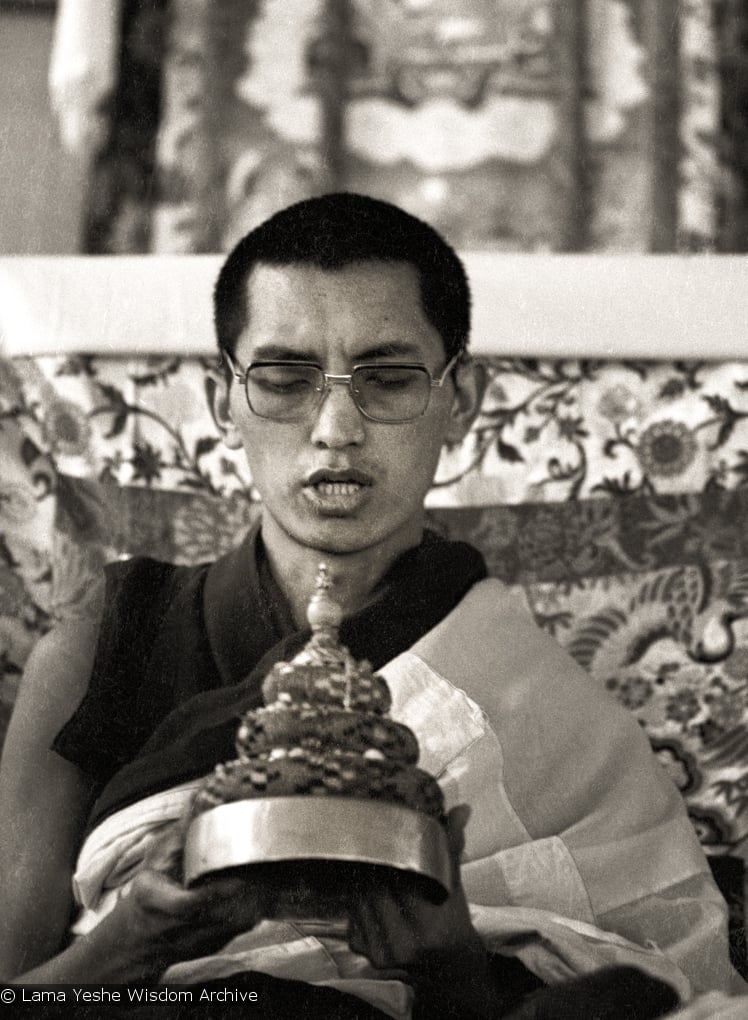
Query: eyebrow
[[391, 349], [277, 352]]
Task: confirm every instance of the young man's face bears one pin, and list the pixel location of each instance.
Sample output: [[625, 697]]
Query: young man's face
[[336, 481]]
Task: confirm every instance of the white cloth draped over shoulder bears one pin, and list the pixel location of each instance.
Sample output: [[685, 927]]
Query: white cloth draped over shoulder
[[577, 840]]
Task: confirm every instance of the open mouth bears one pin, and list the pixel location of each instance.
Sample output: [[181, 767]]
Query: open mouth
[[337, 488], [342, 490], [347, 480]]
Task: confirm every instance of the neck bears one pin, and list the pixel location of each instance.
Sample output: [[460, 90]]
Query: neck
[[355, 575]]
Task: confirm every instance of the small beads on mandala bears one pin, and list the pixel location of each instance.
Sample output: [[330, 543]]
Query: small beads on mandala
[[324, 730]]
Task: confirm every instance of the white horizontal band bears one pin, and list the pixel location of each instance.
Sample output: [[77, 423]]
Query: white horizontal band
[[528, 305]]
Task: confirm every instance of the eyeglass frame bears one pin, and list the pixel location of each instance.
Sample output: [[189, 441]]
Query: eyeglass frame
[[346, 379]]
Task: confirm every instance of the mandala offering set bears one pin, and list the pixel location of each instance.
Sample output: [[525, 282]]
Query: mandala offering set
[[325, 790]]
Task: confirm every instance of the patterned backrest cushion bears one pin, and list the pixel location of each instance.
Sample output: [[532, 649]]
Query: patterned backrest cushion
[[614, 493]]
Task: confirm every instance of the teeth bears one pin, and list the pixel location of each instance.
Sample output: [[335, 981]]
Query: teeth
[[337, 488]]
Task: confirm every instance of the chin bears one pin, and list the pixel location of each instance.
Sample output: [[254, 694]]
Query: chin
[[343, 536], [337, 544]]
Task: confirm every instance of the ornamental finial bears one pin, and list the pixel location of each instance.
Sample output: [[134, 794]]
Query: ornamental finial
[[323, 612]]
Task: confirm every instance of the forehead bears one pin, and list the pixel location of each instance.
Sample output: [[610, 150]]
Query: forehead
[[360, 307]]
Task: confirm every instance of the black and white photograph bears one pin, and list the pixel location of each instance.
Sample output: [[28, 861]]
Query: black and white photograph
[[374, 509]]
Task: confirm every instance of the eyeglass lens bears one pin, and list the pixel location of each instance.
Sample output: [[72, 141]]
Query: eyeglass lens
[[385, 393]]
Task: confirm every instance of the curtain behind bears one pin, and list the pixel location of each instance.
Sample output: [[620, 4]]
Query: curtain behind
[[598, 125]]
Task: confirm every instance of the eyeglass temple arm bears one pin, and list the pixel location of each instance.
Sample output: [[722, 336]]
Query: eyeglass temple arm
[[453, 361], [233, 367]]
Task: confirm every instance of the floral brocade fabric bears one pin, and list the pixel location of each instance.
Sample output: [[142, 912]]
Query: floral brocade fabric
[[614, 493]]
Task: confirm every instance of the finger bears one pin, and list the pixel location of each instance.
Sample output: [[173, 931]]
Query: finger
[[374, 941], [165, 857], [230, 904], [396, 928], [220, 899], [156, 893], [223, 888]]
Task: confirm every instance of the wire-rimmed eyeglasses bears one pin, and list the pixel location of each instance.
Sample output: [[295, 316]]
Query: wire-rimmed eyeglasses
[[293, 390]]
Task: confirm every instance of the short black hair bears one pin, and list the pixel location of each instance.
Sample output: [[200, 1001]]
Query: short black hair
[[336, 230]]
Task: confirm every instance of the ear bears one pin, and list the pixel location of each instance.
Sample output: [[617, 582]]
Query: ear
[[217, 388], [470, 385]]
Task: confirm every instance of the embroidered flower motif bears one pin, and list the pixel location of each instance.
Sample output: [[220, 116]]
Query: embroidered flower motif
[[571, 428], [632, 691], [146, 463], [678, 763], [618, 403], [666, 448], [682, 706], [67, 428]]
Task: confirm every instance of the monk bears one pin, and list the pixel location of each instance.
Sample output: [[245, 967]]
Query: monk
[[579, 885]]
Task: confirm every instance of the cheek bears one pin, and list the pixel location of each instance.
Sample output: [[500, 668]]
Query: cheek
[[268, 452], [415, 455]]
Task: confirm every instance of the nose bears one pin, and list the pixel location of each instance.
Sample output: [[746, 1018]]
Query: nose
[[339, 422]]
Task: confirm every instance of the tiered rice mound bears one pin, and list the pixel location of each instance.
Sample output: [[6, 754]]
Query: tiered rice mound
[[325, 732]]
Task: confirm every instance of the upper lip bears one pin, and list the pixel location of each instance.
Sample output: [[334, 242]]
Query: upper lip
[[338, 475]]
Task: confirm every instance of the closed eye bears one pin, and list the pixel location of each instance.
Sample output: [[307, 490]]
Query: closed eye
[[283, 379], [389, 378]]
